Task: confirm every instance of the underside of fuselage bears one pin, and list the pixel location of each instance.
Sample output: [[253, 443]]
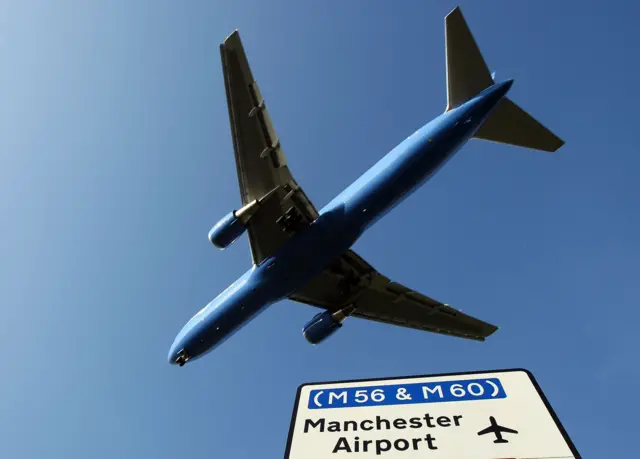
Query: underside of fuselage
[[337, 228]]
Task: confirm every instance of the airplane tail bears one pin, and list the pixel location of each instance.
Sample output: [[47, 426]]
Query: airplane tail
[[468, 75]]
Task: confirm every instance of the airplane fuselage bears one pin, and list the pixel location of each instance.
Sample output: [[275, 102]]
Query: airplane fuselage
[[339, 225]]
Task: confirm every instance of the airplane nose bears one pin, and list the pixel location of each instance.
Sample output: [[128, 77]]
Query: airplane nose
[[185, 345], [178, 355], [173, 355]]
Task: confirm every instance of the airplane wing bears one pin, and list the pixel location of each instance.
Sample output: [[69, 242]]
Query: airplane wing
[[262, 168], [507, 430], [490, 429], [352, 281]]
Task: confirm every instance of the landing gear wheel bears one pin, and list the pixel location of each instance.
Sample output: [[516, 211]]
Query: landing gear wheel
[[182, 358]]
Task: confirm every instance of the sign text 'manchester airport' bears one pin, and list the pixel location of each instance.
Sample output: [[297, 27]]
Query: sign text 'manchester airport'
[[462, 416]]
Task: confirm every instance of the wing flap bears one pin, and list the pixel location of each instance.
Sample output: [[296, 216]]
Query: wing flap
[[259, 158], [390, 302]]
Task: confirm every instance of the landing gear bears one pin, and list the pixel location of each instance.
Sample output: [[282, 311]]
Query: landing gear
[[347, 284], [291, 220], [182, 358]]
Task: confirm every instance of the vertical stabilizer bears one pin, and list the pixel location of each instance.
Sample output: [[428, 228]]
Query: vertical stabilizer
[[467, 73]]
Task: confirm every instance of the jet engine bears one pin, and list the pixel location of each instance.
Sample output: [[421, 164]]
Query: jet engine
[[325, 324], [231, 226], [226, 231]]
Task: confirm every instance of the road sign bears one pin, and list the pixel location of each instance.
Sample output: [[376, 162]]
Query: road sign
[[472, 415]]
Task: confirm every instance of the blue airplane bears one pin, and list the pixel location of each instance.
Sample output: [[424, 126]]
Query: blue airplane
[[302, 254]]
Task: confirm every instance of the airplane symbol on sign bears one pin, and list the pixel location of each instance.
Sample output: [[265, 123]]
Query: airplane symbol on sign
[[497, 430]]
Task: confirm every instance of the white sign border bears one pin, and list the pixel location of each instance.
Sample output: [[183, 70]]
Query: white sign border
[[543, 397]]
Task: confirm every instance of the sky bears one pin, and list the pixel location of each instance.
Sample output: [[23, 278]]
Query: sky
[[116, 160]]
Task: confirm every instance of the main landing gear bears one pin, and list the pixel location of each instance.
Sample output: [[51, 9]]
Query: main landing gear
[[291, 221]]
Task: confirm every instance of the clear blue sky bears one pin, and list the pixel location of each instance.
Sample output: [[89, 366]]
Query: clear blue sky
[[116, 160]]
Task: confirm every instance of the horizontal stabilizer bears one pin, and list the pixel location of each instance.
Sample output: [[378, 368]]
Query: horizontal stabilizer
[[512, 125]]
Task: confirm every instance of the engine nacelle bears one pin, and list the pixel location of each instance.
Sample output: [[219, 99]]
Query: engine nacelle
[[231, 226], [320, 328], [325, 324], [226, 231]]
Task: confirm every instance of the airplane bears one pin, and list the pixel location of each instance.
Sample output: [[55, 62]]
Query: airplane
[[497, 430], [304, 254]]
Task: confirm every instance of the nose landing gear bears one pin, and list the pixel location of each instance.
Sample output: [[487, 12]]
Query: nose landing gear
[[182, 358]]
